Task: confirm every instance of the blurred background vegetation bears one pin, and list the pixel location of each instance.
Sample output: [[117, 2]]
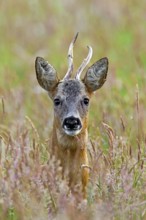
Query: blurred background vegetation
[[115, 29]]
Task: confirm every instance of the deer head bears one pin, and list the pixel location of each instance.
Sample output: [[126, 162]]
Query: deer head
[[71, 96]]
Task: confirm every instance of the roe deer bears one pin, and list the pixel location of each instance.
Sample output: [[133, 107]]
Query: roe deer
[[71, 102]]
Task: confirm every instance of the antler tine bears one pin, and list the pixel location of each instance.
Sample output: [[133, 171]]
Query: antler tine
[[70, 58], [84, 63]]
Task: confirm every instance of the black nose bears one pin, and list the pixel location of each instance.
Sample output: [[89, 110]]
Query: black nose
[[72, 123]]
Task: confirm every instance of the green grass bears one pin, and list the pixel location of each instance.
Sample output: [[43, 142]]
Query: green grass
[[31, 186]]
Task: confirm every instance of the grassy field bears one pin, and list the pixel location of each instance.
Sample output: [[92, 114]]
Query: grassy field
[[30, 178]]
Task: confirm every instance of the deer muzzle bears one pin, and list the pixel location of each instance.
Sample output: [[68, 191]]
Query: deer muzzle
[[72, 126]]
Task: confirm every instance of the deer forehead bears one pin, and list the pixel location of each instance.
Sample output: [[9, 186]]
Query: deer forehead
[[71, 89]]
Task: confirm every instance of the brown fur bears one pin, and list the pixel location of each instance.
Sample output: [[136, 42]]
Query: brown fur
[[72, 152]]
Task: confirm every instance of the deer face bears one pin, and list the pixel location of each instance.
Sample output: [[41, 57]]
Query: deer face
[[71, 96], [71, 103]]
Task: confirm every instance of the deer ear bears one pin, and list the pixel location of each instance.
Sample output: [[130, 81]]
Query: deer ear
[[46, 74], [96, 75]]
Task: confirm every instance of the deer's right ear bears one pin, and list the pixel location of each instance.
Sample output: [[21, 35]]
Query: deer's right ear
[[46, 74]]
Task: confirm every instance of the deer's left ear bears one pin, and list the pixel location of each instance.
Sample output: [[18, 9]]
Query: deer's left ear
[[96, 75]]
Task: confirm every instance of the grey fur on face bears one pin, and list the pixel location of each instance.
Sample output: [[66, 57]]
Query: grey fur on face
[[71, 94], [71, 88]]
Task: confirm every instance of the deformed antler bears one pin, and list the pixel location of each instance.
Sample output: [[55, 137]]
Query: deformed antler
[[70, 58], [84, 63]]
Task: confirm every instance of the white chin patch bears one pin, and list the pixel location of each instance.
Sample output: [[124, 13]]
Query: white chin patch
[[72, 133]]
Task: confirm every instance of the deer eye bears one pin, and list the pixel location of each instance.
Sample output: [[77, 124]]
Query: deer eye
[[86, 101], [57, 102]]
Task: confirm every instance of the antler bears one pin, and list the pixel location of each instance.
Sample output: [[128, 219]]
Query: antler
[[84, 63], [70, 58]]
